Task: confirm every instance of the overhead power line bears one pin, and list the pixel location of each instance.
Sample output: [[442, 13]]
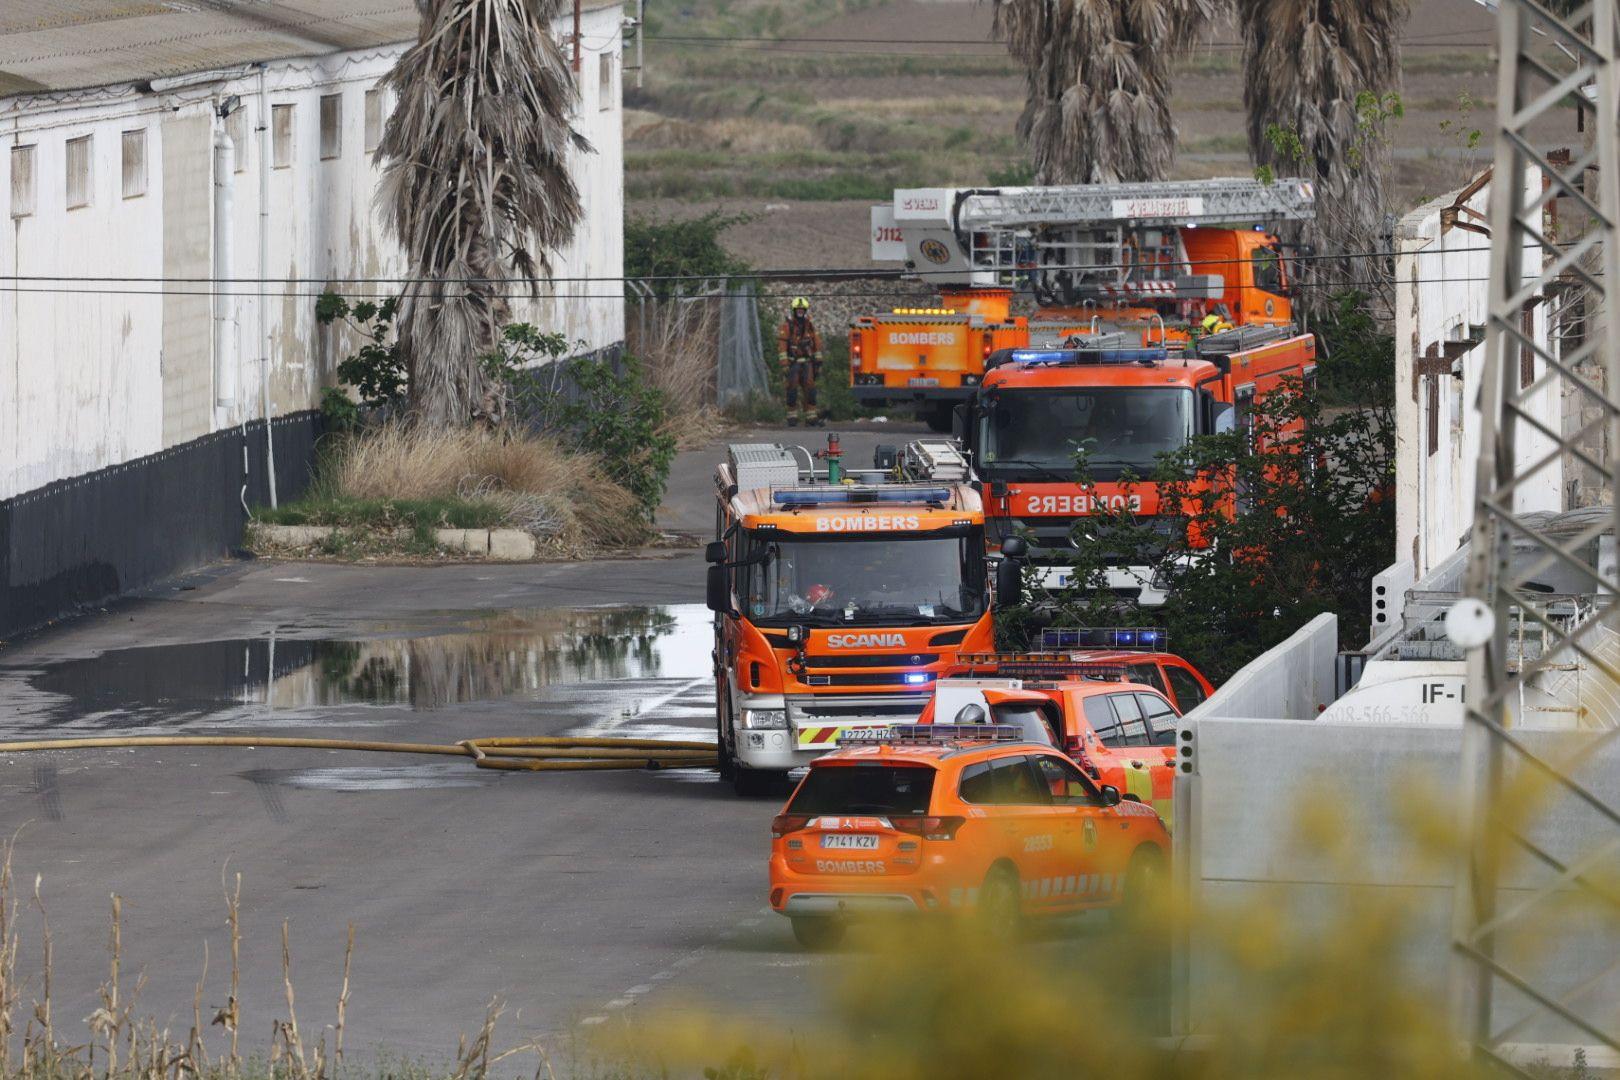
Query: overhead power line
[[784, 274]]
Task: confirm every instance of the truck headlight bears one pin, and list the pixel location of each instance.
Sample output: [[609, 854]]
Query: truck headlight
[[764, 719]]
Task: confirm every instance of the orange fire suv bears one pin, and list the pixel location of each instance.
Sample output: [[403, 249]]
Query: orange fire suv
[[956, 818]]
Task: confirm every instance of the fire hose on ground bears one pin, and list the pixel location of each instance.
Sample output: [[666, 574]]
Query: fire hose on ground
[[520, 754]]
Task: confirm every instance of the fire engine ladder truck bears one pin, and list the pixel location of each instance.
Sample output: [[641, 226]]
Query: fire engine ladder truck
[[1080, 243]]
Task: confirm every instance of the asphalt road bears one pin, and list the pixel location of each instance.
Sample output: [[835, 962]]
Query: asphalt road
[[576, 899]]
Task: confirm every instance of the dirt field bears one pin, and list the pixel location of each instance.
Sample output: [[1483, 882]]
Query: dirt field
[[802, 121]]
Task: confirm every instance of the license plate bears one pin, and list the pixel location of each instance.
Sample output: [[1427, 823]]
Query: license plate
[[860, 843], [922, 382]]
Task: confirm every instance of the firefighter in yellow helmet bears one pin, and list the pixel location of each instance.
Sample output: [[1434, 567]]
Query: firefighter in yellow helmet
[[799, 346], [1215, 323]]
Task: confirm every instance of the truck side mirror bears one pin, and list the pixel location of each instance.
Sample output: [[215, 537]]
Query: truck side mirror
[[714, 551], [1015, 547], [1009, 582], [1110, 795], [718, 592]]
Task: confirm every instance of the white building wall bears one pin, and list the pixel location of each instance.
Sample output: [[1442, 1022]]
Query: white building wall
[[83, 364], [1442, 269]]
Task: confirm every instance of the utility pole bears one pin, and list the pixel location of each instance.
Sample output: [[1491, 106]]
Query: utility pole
[[1546, 63]]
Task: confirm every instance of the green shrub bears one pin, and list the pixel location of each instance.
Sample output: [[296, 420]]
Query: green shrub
[[376, 371]]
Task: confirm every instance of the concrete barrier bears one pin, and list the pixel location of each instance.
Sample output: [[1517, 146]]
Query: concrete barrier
[[510, 545], [1291, 680], [1382, 784]]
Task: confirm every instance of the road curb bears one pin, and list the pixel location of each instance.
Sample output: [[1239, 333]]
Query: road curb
[[503, 545]]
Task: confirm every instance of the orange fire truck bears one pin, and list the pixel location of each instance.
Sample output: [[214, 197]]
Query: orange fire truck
[[1149, 261], [837, 598], [1123, 405]]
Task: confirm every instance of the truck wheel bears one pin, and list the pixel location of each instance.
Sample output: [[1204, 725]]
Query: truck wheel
[[938, 417], [1001, 905], [728, 764], [751, 783], [817, 932]]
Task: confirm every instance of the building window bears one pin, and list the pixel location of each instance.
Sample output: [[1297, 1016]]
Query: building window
[[22, 181], [604, 81], [236, 127], [1433, 387], [376, 114], [331, 126], [78, 172], [281, 136], [134, 163]]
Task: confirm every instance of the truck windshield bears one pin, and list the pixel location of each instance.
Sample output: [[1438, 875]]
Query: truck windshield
[[885, 579], [1035, 434]]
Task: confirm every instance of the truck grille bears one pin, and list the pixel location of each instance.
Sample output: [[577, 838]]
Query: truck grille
[[905, 660], [839, 708]]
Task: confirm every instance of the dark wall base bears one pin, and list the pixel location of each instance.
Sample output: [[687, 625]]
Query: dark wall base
[[82, 541]]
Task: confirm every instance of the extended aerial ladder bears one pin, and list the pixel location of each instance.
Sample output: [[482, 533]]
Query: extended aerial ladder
[[1069, 244]]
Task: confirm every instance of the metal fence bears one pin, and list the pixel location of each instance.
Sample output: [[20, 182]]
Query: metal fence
[[701, 341]]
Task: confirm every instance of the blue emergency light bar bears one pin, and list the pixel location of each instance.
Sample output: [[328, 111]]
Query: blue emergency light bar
[[929, 734], [1148, 638], [1069, 357], [847, 494]]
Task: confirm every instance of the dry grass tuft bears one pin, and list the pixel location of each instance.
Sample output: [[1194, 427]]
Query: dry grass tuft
[[117, 1044], [565, 499], [676, 342]]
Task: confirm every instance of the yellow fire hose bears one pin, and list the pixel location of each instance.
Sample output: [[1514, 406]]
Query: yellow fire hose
[[530, 754]]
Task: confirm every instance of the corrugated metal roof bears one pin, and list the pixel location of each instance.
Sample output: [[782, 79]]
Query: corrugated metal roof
[[66, 44], [63, 44]]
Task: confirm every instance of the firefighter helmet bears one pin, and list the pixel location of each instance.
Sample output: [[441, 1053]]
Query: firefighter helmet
[[800, 304]]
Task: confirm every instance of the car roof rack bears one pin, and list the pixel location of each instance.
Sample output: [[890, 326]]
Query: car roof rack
[[1037, 665], [929, 734]]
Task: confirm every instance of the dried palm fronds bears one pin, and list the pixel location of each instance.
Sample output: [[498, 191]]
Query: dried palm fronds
[[476, 187], [1098, 74], [1317, 76]]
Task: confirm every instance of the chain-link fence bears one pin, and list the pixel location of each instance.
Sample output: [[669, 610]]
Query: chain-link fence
[[700, 342]]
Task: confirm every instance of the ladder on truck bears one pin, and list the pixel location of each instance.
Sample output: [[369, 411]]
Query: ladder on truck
[[1081, 241], [938, 461]]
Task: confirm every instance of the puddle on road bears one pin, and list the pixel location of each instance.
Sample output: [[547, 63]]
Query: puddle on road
[[499, 656]]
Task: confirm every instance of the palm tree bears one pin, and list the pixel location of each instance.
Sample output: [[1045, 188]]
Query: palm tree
[[476, 187], [1319, 86], [1098, 74]]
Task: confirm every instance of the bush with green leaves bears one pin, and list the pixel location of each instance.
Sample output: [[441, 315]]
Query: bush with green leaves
[[605, 405], [376, 370], [684, 248]]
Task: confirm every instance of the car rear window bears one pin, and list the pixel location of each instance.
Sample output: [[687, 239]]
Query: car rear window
[[864, 789]]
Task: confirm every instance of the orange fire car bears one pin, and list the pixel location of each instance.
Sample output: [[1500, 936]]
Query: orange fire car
[[956, 818], [1120, 731]]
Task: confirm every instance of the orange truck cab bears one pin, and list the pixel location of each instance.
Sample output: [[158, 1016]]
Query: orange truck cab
[[838, 599], [956, 819], [1123, 406]]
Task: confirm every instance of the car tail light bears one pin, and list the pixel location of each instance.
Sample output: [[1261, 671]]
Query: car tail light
[[782, 824], [929, 828], [855, 352], [1076, 751]]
